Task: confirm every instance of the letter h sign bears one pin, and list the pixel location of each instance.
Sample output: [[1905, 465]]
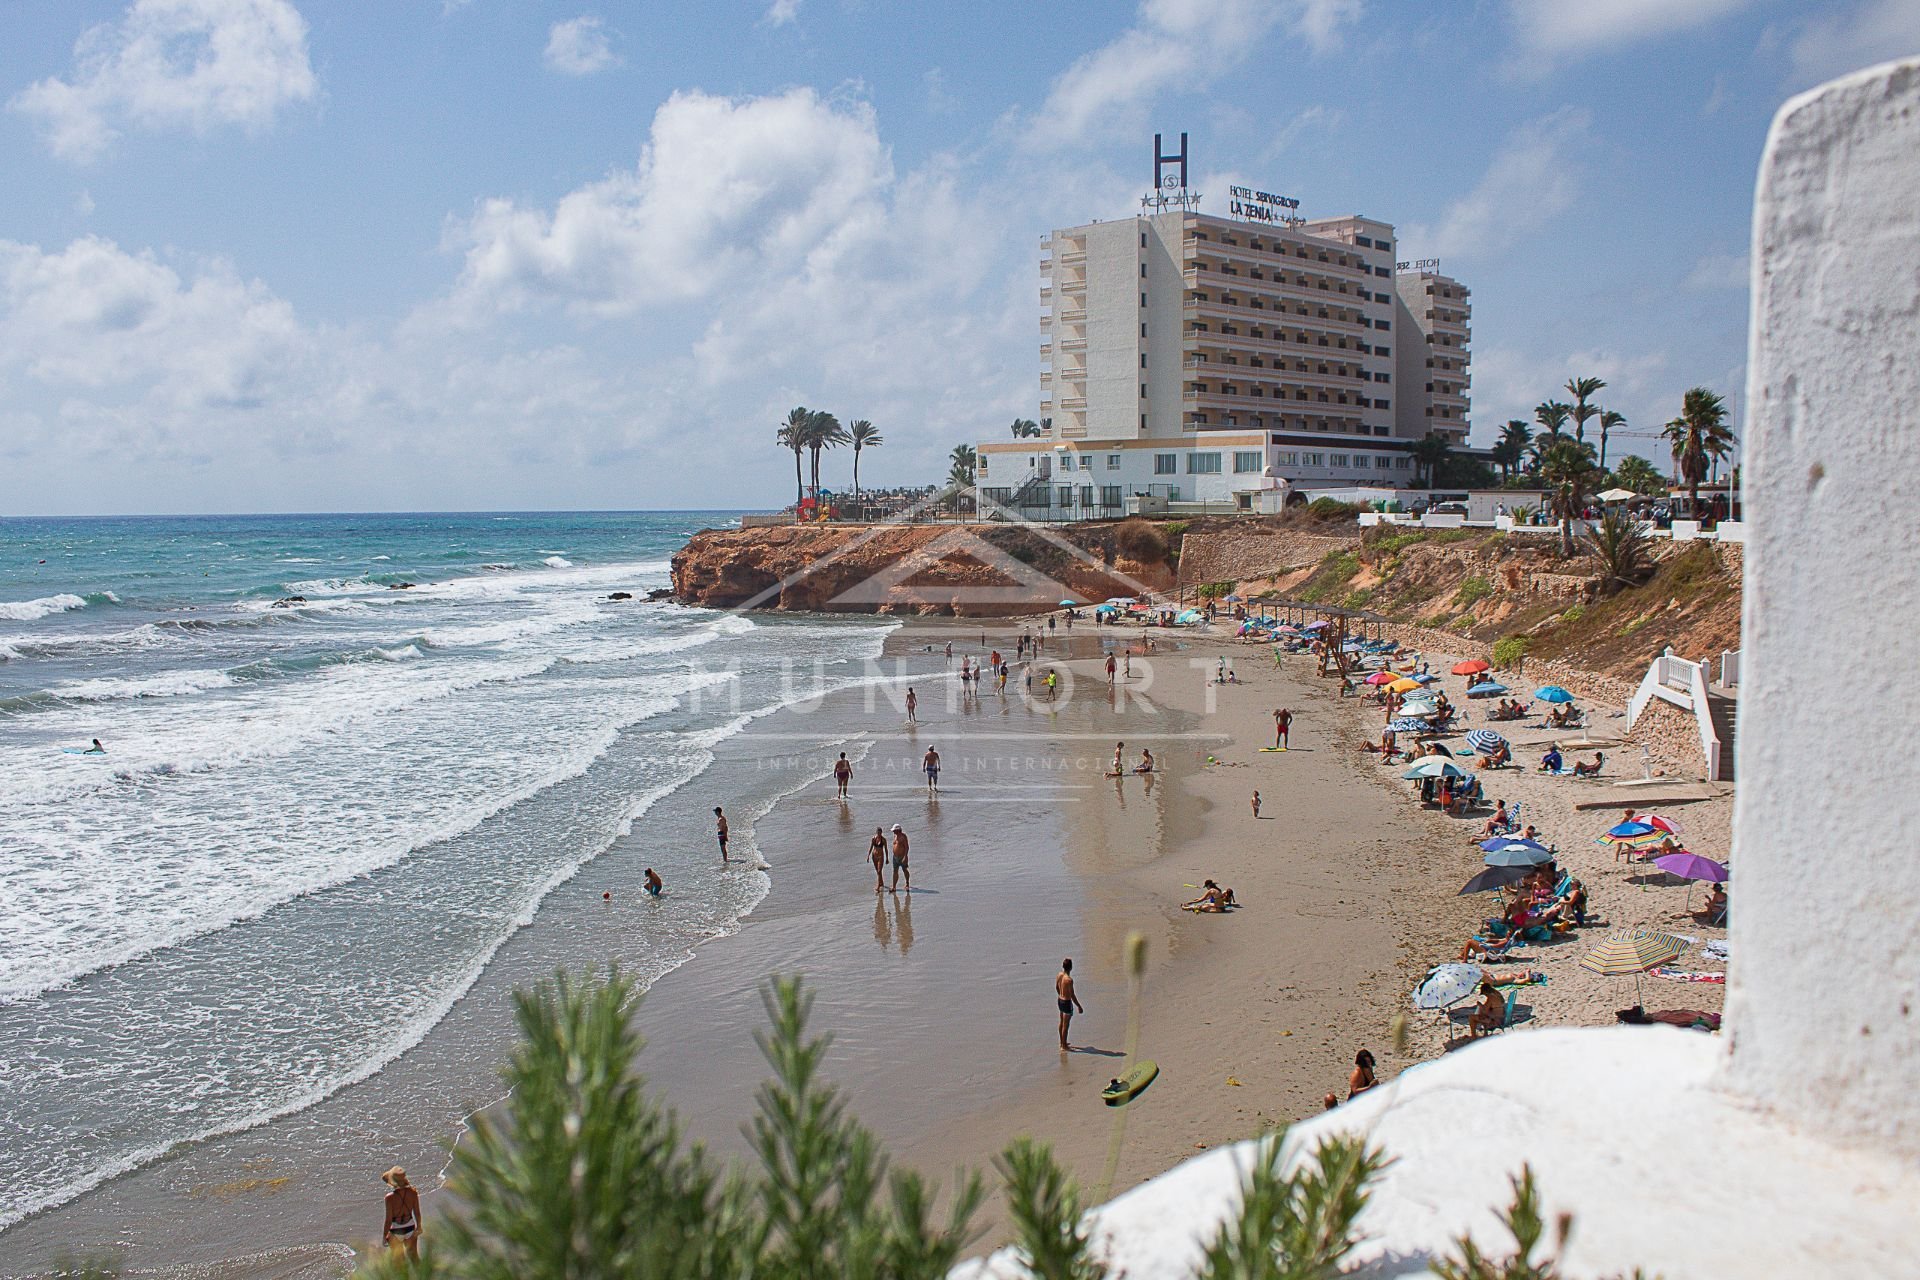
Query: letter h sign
[[1161, 160]]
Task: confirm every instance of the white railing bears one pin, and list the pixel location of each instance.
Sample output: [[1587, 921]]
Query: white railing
[[1682, 684]]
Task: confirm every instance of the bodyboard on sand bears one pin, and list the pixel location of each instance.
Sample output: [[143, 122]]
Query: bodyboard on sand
[[1120, 1092], [1273, 748]]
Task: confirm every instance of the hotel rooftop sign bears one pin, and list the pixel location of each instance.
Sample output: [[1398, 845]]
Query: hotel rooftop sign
[[1260, 206]]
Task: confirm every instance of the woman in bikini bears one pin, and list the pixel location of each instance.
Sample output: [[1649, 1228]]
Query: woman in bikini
[[402, 1229], [1362, 1078]]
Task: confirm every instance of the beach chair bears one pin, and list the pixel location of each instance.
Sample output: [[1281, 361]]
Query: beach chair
[[1506, 1015]]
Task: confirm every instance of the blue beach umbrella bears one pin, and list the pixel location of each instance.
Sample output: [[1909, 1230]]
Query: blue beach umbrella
[[1518, 855], [1552, 693], [1508, 842], [1424, 677], [1485, 741], [1629, 830], [1488, 689]]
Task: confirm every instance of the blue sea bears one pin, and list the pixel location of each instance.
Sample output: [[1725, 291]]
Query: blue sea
[[346, 757]]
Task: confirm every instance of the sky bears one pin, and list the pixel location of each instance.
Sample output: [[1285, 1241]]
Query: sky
[[324, 255]]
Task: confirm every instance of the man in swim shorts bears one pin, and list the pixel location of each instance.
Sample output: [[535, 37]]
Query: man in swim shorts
[[1066, 998], [720, 830], [931, 763], [900, 867], [1282, 721], [653, 882], [842, 774]]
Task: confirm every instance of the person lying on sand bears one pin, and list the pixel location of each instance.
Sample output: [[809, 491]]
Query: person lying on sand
[[1215, 900], [1475, 950]]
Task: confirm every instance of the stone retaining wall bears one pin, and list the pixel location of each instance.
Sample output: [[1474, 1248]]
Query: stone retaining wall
[[1238, 556], [1671, 738]]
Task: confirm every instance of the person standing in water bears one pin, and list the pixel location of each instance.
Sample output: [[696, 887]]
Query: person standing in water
[[720, 830], [1111, 664], [900, 867], [912, 704], [401, 1231], [842, 774], [877, 853], [653, 882], [931, 763], [1067, 999]]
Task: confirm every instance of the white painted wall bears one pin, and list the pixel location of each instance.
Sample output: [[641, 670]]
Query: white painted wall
[[1826, 865], [1114, 259]]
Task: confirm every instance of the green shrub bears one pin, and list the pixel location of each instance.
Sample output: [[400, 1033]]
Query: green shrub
[[1472, 591], [1336, 569], [1358, 599], [1331, 509], [1176, 528], [1508, 650], [1214, 590], [1574, 614]]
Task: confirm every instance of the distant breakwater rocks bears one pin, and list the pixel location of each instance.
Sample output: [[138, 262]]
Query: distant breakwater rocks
[[958, 570]]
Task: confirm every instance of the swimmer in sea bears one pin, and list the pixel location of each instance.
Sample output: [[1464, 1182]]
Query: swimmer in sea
[[653, 882]]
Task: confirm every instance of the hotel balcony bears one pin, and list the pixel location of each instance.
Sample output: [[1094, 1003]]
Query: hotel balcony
[[1275, 256]]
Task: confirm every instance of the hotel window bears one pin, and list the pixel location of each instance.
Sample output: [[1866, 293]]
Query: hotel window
[[1086, 495], [1245, 460], [1113, 462], [1110, 495], [1086, 462], [1203, 464], [1339, 460], [1065, 495], [1383, 404], [1165, 464], [1313, 459]]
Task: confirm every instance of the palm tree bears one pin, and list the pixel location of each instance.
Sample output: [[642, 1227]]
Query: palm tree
[[1024, 427], [1617, 541], [863, 435], [960, 473], [1552, 417], [1637, 474], [1608, 421], [792, 434], [1698, 435], [1430, 452], [1510, 447], [1583, 390], [1568, 471], [823, 432]]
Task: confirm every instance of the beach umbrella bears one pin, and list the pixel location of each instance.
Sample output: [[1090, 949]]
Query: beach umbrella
[[1120, 600], [1508, 842], [1407, 724], [1382, 677], [1617, 495], [1633, 951], [1627, 831], [1404, 684], [1316, 626], [1487, 689], [1552, 693], [1233, 599], [1485, 741], [1069, 604], [1446, 985], [1288, 629], [1691, 866], [1493, 878], [1189, 617], [1519, 853], [1423, 678], [1106, 608], [1434, 767], [1472, 668], [1659, 823]]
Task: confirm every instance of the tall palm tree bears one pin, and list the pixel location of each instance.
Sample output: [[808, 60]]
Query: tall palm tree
[[1637, 474], [1430, 452], [1583, 390], [823, 432], [1567, 470], [864, 435], [1608, 421], [1514, 439], [1698, 435], [1024, 427], [960, 472], [793, 435], [1552, 417]]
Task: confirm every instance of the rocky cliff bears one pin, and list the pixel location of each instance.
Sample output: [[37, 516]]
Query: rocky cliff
[[975, 570]]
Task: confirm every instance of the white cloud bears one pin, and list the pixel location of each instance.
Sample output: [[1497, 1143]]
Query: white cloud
[[1174, 44], [781, 12], [1872, 32], [1555, 29], [580, 47], [1533, 178], [1719, 271], [174, 64], [83, 204], [725, 190]]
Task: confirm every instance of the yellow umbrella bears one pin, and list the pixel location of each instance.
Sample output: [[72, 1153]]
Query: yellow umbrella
[[1404, 685], [1633, 951]]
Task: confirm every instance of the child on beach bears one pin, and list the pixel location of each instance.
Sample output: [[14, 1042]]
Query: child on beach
[[1256, 804]]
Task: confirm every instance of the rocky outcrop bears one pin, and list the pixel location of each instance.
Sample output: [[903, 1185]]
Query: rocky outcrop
[[976, 570]]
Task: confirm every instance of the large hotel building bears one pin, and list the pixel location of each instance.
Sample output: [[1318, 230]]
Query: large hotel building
[[1193, 358]]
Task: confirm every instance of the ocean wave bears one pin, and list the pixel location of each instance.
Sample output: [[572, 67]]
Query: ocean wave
[[28, 610], [557, 562], [171, 684]]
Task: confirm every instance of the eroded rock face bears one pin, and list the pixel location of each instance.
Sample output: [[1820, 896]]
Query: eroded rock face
[[961, 570]]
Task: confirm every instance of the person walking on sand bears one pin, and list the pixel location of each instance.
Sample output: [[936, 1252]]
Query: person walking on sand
[[877, 854], [900, 867], [720, 830], [1256, 804], [931, 763], [401, 1231], [842, 774], [912, 704], [1067, 999], [1111, 664], [1282, 722]]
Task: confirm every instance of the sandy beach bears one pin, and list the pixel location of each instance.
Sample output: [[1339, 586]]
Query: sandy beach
[[940, 1000]]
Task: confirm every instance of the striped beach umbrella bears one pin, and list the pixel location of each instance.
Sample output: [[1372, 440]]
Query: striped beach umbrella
[[1434, 767], [1485, 741], [1505, 842], [1518, 853], [1633, 951]]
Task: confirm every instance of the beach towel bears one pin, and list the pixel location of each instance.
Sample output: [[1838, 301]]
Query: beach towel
[[1680, 975], [1715, 950]]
